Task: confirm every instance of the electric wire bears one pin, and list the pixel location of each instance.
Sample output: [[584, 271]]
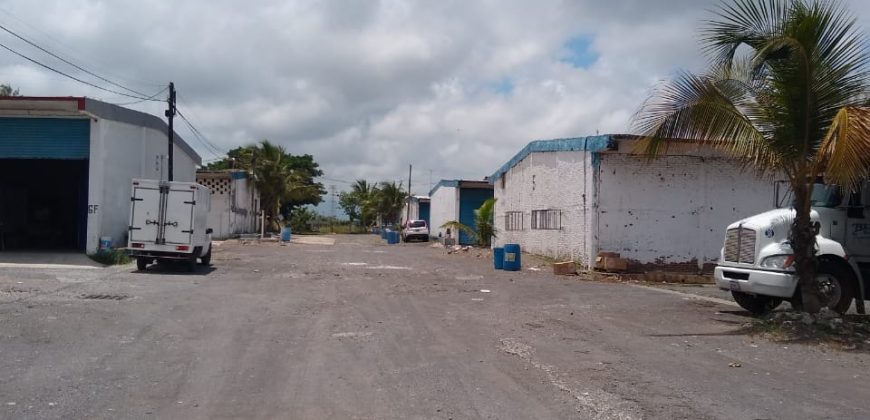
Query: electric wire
[[70, 62], [47, 67], [209, 146], [150, 98]]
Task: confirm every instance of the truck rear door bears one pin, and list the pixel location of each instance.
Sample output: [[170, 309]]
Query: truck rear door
[[145, 214], [179, 216]]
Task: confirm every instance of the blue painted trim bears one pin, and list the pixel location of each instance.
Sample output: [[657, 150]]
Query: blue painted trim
[[453, 183], [590, 143]]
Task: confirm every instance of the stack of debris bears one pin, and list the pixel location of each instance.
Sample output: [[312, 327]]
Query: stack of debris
[[610, 262]]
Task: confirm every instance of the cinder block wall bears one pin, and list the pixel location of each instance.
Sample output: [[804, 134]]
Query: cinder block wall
[[672, 212], [552, 180]]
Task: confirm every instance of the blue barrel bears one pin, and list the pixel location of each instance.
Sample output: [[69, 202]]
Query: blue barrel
[[285, 234], [512, 257], [498, 258], [393, 238], [384, 233]]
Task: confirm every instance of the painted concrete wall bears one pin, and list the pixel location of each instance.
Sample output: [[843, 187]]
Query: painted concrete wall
[[673, 211], [443, 206], [234, 206], [669, 213], [120, 152], [552, 180]]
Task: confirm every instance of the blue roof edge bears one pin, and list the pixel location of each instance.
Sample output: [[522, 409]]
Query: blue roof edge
[[444, 183], [589, 144]]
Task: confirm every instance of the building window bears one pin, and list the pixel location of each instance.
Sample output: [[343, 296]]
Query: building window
[[513, 220], [547, 219]]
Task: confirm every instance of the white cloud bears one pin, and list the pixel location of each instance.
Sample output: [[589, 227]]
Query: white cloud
[[367, 87]]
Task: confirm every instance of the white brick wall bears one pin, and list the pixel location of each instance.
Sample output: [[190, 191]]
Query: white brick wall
[[553, 180], [443, 208], [672, 210]]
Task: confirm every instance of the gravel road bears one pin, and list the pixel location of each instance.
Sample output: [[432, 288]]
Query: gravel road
[[362, 330]]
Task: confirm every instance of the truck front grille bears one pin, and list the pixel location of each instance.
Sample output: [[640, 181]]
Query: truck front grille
[[740, 245]]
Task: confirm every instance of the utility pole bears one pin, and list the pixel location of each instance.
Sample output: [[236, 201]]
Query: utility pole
[[332, 221], [408, 213], [170, 114]]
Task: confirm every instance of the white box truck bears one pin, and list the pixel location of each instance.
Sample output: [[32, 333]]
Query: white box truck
[[168, 221], [756, 260]]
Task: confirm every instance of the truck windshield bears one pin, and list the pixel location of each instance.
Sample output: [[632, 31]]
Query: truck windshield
[[826, 196]]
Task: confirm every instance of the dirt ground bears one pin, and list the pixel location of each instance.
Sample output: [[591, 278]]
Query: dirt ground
[[357, 329]]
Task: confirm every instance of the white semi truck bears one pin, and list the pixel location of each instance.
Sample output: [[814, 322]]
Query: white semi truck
[[756, 262], [168, 221]]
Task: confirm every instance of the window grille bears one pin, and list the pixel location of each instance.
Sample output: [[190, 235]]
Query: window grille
[[513, 220], [547, 219]]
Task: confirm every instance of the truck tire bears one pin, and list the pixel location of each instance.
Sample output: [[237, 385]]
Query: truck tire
[[836, 284], [756, 304], [206, 259], [141, 263]]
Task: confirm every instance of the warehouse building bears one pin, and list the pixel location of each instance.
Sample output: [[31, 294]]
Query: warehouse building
[[572, 198], [66, 165], [419, 209], [235, 202], [456, 200]]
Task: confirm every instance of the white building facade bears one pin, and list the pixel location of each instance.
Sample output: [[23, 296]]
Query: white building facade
[[572, 198], [235, 202], [456, 200], [80, 156]]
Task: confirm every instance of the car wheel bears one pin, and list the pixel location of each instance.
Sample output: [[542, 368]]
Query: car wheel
[[206, 259], [756, 304], [141, 263]]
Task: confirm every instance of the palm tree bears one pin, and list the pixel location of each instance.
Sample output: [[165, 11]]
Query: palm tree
[[364, 195], [484, 217], [273, 178], [781, 73], [390, 200]]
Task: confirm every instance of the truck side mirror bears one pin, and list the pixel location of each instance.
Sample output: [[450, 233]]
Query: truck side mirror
[[817, 227]]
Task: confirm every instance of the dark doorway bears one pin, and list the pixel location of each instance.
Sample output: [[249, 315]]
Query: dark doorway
[[43, 204]]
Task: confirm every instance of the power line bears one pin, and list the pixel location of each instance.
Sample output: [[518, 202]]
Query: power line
[[75, 52], [150, 98], [70, 62], [47, 67], [210, 147]]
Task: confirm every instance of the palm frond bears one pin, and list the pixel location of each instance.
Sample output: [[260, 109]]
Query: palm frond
[[456, 226], [845, 151]]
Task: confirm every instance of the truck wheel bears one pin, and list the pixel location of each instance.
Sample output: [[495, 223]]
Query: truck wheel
[[206, 259], [835, 284], [141, 263], [756, 304]]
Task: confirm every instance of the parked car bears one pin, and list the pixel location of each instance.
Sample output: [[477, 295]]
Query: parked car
[[415, 229]]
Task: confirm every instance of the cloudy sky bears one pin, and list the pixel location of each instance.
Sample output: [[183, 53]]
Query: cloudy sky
[[453, 87]]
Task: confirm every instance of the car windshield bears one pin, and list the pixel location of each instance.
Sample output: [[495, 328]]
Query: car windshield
[[417, 224], [826, 196]]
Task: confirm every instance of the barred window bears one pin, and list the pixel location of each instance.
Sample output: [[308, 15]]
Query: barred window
[[547, 219], [513, 220]]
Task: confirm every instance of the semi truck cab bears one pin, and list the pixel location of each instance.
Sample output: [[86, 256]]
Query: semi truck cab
[[755, 263]]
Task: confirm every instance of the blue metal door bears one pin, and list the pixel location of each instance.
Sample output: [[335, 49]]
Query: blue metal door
[[469, 201], [424, 214]]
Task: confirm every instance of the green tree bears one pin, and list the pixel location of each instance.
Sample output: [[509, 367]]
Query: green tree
[[285, 181], [484, 218], [484, 229], [7, 90], [785, 76], [389, 199]]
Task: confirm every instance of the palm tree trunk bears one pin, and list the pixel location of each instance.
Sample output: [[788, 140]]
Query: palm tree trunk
[[803, 243]]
